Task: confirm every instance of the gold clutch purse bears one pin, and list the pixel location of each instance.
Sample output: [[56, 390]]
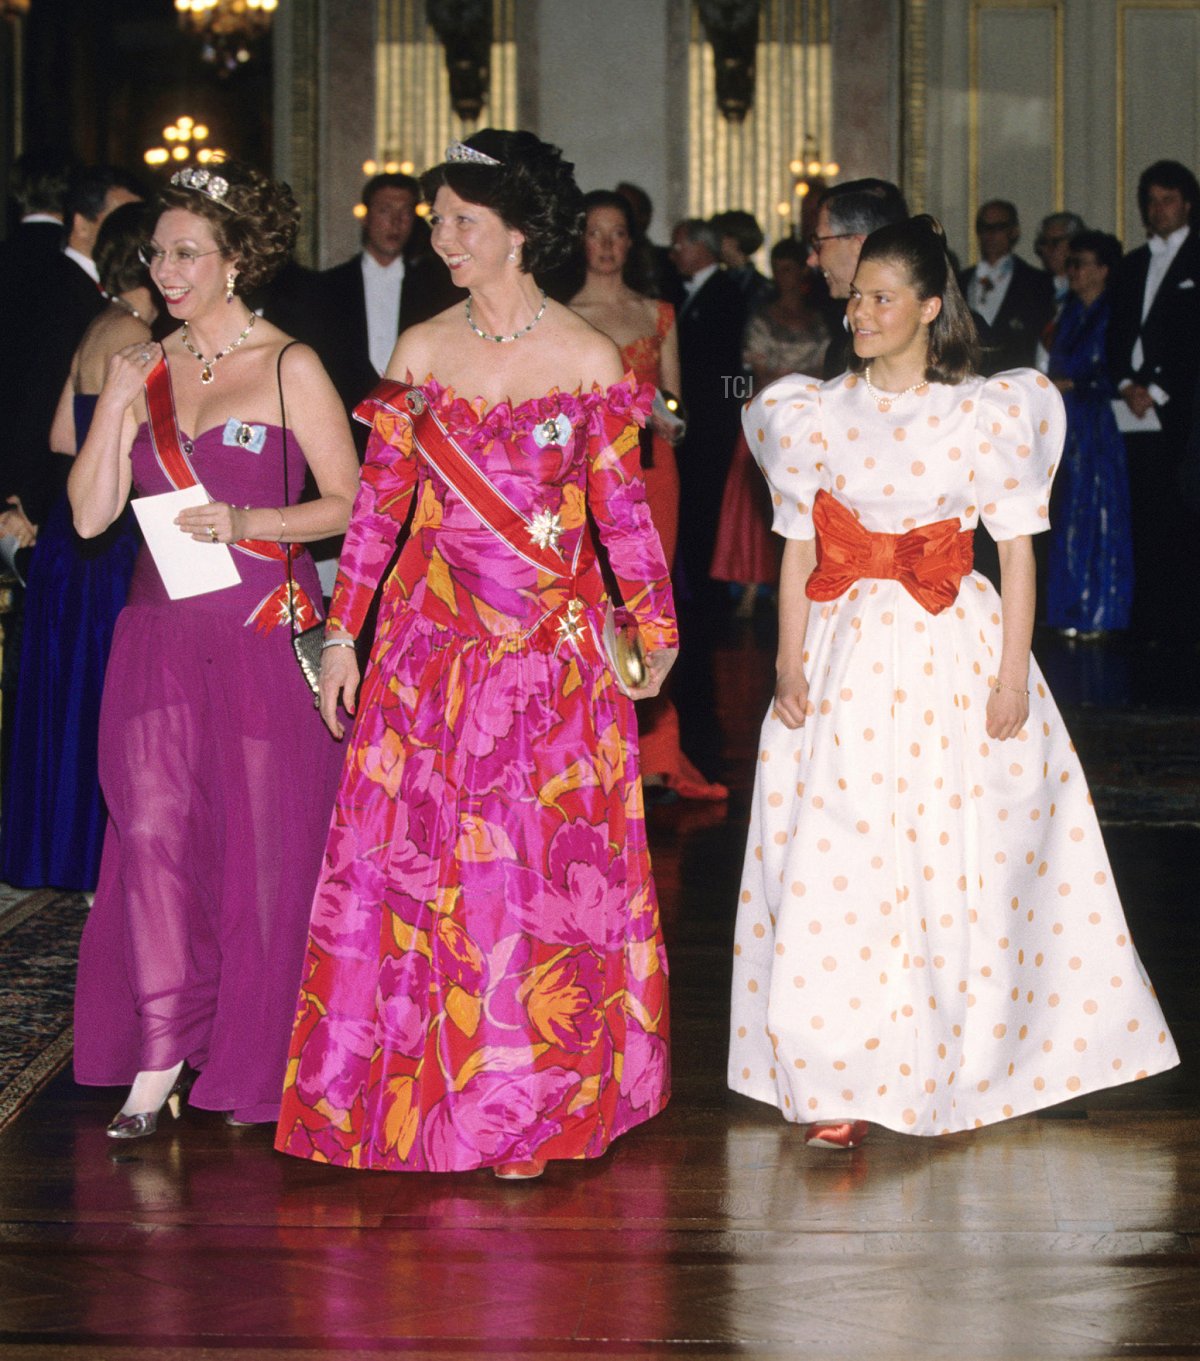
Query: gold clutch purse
[[623, 644]]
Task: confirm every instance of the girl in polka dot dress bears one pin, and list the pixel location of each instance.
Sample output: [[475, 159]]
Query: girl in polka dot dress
[[928, 936]]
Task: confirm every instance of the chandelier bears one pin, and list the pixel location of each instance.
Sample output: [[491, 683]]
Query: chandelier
[[228, 30]]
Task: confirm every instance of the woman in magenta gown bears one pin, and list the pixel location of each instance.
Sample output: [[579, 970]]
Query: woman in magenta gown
[[486, 980], [216, 770]]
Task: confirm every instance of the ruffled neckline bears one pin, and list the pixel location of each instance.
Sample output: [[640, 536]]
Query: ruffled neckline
[[629, 397]]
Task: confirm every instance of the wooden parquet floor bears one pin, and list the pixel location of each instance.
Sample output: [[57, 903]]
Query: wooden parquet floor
[[711, 1231]]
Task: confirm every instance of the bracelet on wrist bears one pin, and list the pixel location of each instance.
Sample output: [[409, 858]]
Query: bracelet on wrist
[[337, 642], [1012, 690]]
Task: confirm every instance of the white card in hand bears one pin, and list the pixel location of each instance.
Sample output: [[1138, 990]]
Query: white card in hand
[[187, 566], [1129, 424]]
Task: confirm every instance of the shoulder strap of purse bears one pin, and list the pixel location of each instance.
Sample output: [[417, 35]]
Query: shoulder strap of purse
[[287, 499]]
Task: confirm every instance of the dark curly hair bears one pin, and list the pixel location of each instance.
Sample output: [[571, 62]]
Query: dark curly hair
[[533, 191], [115, 254], [918, 246], [255, 222]]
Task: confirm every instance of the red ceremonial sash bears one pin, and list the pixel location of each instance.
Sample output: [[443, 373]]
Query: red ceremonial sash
[[929, 562], [272, 610], [530, 540]]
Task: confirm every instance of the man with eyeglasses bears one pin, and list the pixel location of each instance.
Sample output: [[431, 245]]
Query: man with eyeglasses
[[1012, 302], [1052, 246], [846, 215]]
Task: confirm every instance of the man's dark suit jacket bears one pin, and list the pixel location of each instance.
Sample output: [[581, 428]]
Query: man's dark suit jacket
[[1170, 334], [1010, 342], [709, 326], [63, 301], [26, 257], [340, 333]]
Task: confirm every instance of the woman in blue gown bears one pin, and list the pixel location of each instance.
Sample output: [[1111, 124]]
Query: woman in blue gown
[[1090, 585], [54, 814]]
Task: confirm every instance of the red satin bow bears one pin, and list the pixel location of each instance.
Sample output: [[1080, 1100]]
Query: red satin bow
[[929, 562]]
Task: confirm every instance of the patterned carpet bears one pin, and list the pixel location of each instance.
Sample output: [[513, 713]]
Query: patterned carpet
[[1143, 768], [39, 939]]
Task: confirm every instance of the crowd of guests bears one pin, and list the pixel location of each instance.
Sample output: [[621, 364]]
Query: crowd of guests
[[484, 981]]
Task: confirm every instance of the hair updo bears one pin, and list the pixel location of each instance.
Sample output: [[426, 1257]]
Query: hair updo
[[116, 252], [254, 222], [533, 191], [918, 246]]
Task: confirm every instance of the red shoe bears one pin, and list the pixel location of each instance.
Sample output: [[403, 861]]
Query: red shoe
[[846, 1134], [520, 1171]]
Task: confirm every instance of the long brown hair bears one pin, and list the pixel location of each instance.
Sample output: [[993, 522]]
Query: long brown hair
[[918, 246]]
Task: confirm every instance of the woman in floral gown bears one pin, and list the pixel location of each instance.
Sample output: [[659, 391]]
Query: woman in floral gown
[[929, 936], [486, 982]]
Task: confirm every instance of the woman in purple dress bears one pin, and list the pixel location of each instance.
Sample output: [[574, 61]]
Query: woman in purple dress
[[217, 772]]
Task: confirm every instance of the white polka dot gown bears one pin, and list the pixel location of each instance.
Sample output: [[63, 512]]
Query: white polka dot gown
[[928, 935]]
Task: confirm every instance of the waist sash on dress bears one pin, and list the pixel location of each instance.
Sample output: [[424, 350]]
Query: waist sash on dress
[[272, 611], [929, 561]]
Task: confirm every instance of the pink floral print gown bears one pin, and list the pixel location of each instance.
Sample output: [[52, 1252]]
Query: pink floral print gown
[[485, 978]]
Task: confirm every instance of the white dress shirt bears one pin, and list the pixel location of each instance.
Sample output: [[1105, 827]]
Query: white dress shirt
[[693, 285], [1163, 250], [85, 263], [381, 287], [989, 286]]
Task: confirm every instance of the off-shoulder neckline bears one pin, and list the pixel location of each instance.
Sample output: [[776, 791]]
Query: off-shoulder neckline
[[482, 409]]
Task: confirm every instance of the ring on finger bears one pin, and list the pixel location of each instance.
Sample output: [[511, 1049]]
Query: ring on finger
[[212, 533]]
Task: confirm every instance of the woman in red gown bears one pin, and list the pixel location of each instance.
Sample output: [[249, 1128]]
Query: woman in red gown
[[644, 328]]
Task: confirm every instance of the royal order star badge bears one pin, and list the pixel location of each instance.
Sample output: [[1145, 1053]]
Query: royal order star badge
[[571, 624], [545, 529]]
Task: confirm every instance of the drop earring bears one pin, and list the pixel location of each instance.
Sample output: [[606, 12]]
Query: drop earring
[[230, 280]]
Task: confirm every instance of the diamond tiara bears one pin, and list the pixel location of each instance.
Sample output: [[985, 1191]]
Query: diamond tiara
[[204, 182], [460, 151]]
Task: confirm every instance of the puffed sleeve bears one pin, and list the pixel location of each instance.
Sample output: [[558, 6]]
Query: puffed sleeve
[[783, 430], [1021, 425], [389, 476], [616, 493]]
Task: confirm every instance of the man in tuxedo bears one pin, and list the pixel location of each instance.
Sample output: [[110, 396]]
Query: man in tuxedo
[[1052, 246], [1011, 301], [709, 324], [1154, 338], [26, 256], [846, 215], [394, 282], [51, 308]]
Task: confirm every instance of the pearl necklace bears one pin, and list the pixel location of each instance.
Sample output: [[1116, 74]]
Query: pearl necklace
[[516, 335], [884, 400], [206, 373], [128, 307]]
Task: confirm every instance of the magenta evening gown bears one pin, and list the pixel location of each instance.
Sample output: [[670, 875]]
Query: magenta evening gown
[[219, 778]]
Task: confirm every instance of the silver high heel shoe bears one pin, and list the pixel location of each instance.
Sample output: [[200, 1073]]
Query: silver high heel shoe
[[141, 1124]]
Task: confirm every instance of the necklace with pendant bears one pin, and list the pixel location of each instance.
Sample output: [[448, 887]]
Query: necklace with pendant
[[206, 373], [884, 400], [516, 335]]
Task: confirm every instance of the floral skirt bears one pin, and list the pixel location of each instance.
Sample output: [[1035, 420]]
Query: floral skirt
[[485, 979]]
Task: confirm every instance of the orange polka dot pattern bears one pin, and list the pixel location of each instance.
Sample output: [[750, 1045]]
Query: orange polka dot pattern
[[928, 933]]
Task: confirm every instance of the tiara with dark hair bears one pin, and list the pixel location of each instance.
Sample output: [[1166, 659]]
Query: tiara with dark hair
[[458, 152], [203, 182]]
